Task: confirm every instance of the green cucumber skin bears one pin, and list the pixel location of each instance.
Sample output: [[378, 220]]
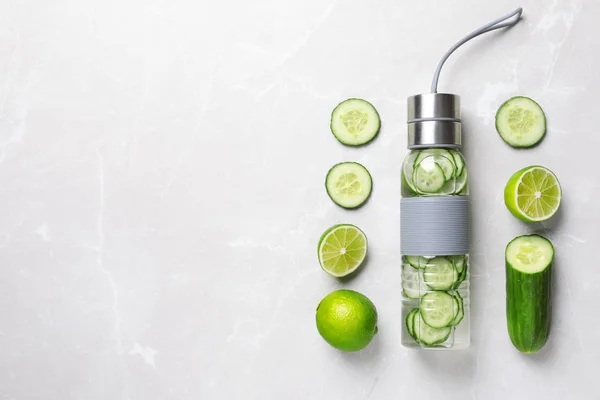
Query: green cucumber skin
[[528, 308]]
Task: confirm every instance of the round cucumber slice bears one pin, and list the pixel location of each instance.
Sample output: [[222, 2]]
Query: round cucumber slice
[[437, 309], [428, 335], [348, 184], [459, 262], [410, 322], [461, 309], [355, 122], [413, 285], [428, 176], [460, 183], [521, 122], [408, 168], [416, 261], [442, 157], [440, 274], [459, 161]]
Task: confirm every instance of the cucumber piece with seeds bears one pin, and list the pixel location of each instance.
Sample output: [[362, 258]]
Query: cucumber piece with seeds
[[348, 184], [355, 122], [521, 122], [442, 157], [428, 335], [428, 177], [437, 309], [440, 274]]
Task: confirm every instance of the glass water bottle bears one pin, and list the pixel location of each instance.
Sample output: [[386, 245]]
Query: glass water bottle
[[435, 226]]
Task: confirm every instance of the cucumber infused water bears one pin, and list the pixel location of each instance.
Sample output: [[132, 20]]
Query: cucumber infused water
[[434, 235], [435, 288]]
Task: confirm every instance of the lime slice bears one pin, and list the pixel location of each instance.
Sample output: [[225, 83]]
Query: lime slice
[[347, 320], [533, 194], [342, 249]]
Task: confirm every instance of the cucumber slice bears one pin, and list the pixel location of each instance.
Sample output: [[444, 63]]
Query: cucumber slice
[[460, 263], [348, 184], [461, 309], [521, 122], [416, 261], [355, 122], [412, 282], [408, 167], [528, 291], [460, 183], [428, 176], [428, 335], [440, 274], [442, 157], [455, 186], [459, 161], [437, 309], [410, 322]]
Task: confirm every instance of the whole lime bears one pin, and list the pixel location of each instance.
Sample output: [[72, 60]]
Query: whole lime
[[347, 320]]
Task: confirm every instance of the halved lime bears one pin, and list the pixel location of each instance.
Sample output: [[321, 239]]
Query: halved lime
[[533, 194], [342, 249]]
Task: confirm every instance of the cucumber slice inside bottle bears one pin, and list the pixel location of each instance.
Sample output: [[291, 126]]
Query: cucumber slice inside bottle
[[440, 274], [413, 285], [521, 122], [355, 122], [428, 176], [437, 309], [348, 184], [410, 322], [442, 157], [408, 169], [427, 334], [461, 309], [459, 161], [416, 261]]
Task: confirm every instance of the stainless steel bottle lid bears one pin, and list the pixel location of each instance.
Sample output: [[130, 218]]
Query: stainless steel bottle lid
[[434, 120]]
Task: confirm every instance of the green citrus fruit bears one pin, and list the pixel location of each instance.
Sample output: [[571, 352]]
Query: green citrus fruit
[[347, 320], [533, 194], [342, 249]]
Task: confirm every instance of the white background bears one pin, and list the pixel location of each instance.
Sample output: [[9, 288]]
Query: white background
[[162, 169]]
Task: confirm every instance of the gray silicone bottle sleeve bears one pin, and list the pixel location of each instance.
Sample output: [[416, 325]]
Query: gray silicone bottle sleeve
[[432, 226]]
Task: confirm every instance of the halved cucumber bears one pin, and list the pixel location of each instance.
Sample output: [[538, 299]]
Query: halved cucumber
[[528, 291], [428, 335], [355, 122], [521, 122], [412, 282], [348, 184], [440, 273], [428, 176], [437, 309], [442, 157]]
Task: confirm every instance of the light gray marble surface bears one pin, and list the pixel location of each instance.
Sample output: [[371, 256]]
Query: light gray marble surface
[[162, 167]]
